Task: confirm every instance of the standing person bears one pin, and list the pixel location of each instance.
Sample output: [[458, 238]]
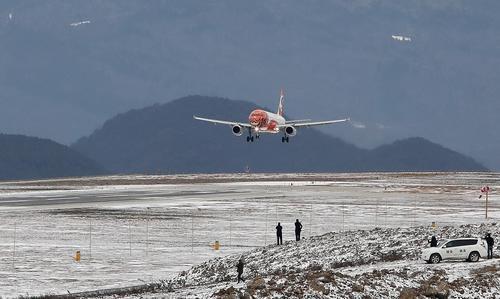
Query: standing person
[[490, 242], [239, 267], [433, 241], [279, 234], [298, 229]]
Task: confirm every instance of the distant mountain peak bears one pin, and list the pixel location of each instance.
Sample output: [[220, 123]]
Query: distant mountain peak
[[24, 157], [165, 139]]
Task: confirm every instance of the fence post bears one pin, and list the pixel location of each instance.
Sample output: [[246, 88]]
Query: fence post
[[230, 228], [147, 231], [343, 212], [192, 231], [267, 212], [129, 238], [14, 253], [90, 238], [414, 211], [310, 220], [385, 220]]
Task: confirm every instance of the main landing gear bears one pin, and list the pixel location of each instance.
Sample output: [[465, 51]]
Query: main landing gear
[[250, 138], [285, 139]]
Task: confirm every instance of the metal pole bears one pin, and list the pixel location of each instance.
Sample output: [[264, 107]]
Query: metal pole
[[147, 231], [130, 238], [487, 203], [343, 211], [192, 231], [230, 230], [265, 236], [310, 220], [385, 213], [14, 253], [90, 239], [376, 212], [414, 210]]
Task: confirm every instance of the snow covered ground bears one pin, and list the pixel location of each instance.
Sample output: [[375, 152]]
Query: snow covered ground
[[135, 229], [378, 263]]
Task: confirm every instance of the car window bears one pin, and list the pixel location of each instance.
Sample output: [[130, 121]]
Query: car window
[[469, 242], [456, 243], [451, 244], [442, 242]]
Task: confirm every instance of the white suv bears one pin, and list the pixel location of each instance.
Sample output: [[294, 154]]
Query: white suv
[[470, 249]]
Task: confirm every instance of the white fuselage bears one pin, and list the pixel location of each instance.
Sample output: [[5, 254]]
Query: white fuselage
[[265, 121]]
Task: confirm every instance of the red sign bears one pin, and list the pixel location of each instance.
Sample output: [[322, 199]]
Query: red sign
[[485, 189]]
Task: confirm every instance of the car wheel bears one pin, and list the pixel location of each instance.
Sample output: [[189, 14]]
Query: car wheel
[[435, 258], [474, 256]]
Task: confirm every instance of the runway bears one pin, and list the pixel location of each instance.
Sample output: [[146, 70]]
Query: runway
[[135, 229]]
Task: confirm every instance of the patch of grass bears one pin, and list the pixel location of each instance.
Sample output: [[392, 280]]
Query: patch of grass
[[487, 270], [228, 293], [408, 293], [392, 256]]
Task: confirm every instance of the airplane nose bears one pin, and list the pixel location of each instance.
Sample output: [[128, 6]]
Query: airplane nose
[[257, 118]]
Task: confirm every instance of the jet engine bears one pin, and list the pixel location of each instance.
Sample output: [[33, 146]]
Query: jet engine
[[290, 131], [237, 130]]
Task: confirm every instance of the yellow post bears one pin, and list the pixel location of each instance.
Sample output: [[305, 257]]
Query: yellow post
[[77, 256], [433, 225], [217, 245]]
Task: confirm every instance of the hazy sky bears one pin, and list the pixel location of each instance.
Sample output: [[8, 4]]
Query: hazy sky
[[67, 66]]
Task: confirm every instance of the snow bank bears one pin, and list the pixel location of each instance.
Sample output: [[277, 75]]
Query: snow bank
[[380, 263]]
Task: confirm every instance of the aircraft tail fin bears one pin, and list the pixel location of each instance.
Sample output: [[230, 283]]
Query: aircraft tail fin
[[281, 104]]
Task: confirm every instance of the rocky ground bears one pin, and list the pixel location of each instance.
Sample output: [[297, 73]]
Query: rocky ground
[[378, 263]]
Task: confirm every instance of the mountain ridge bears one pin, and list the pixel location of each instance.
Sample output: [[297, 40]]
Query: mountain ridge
[[333, 56], [166, 138], [25, 157]]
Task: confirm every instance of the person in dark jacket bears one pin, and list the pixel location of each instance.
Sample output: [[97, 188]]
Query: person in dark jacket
[[298, 229], [279, 234], [433, 241], [239, 267], [490, 242]]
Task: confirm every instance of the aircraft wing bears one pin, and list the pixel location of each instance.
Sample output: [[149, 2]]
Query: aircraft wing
[[291, 122], [224, 122], [318, 123]]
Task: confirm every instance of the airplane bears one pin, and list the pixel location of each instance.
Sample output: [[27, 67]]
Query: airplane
[[261, 121]]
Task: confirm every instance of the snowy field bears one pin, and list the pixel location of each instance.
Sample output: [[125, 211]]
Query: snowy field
[[379, 263], [136, 229]]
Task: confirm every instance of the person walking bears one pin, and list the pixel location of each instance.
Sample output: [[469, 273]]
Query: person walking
[[279, 234], [433, 241], [490, 242], [298, 229], [239, 267]]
